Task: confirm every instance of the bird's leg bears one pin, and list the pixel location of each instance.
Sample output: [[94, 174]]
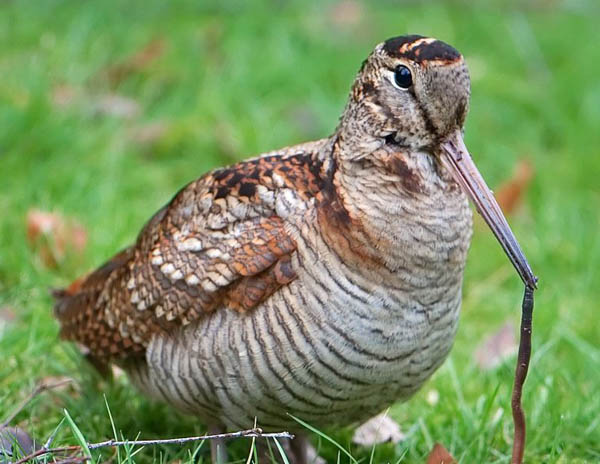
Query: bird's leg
[[299, 449], [218, 451], [294, 450]]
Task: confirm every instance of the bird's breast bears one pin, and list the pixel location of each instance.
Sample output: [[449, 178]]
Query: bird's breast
[[392, 292]]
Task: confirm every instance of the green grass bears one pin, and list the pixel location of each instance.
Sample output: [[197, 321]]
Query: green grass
[[238, 79]]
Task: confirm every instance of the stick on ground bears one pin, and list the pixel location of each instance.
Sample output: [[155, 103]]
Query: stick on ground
[[250, 433]]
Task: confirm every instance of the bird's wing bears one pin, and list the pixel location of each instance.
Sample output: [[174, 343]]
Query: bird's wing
[[218, 245]]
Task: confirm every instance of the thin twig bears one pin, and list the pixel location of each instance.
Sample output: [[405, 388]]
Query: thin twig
[[520, 375], [39, 388], [250, 433], [44, 451]]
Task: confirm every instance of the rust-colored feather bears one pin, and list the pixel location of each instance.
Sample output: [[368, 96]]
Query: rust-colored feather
[[218, 245]]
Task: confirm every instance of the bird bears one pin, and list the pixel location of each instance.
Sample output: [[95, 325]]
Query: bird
[[319, 282]]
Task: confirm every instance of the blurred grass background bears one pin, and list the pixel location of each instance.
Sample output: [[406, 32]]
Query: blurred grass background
[[83, 135]]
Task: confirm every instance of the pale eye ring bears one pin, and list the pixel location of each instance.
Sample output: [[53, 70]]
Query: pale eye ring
[[402, 77]]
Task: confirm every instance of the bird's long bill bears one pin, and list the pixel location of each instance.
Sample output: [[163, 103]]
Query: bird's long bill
[[458, 161]]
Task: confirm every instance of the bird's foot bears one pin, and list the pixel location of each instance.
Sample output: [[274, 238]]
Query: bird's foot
[[218, 450]]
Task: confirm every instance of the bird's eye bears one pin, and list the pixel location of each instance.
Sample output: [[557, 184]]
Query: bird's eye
[[402, 77]]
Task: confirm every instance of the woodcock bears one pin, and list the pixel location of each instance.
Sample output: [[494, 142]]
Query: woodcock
[[321, 280]]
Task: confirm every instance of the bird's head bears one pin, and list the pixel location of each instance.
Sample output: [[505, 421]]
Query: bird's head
[[412, 95], [412, 91]]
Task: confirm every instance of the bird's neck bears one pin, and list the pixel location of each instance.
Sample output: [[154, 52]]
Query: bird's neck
[[394, 207]]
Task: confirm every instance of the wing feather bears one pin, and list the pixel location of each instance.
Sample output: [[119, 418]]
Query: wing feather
[[177, 272], [218, 245]]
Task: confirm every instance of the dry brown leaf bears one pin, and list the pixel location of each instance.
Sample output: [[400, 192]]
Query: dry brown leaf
[[116, 105], [346, 13], [14, 443], [511, 192], [440, 455], [378, 429], [137, 62], [110, 104], [52, 236], [494, 349], [7, 313]]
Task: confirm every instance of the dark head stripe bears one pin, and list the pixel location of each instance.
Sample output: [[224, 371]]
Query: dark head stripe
[[392, 46], [420, 49]]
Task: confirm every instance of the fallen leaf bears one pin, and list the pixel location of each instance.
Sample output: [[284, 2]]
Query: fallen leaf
[[14, 443], [440, 455], [116, 105], [346, 13], [494, 349], [378, 429], [7, 314], [511, 192], [52, 236], [136, 62], [109, 104]]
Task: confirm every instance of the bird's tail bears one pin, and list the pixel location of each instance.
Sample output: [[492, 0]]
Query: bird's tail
[[80, 313]]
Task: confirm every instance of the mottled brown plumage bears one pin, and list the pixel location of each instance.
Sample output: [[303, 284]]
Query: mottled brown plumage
[[218, 243], [321, 280]]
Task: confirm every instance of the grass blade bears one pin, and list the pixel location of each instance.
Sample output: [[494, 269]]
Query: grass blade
[[114, 429], [79, 436], [281, 452]]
